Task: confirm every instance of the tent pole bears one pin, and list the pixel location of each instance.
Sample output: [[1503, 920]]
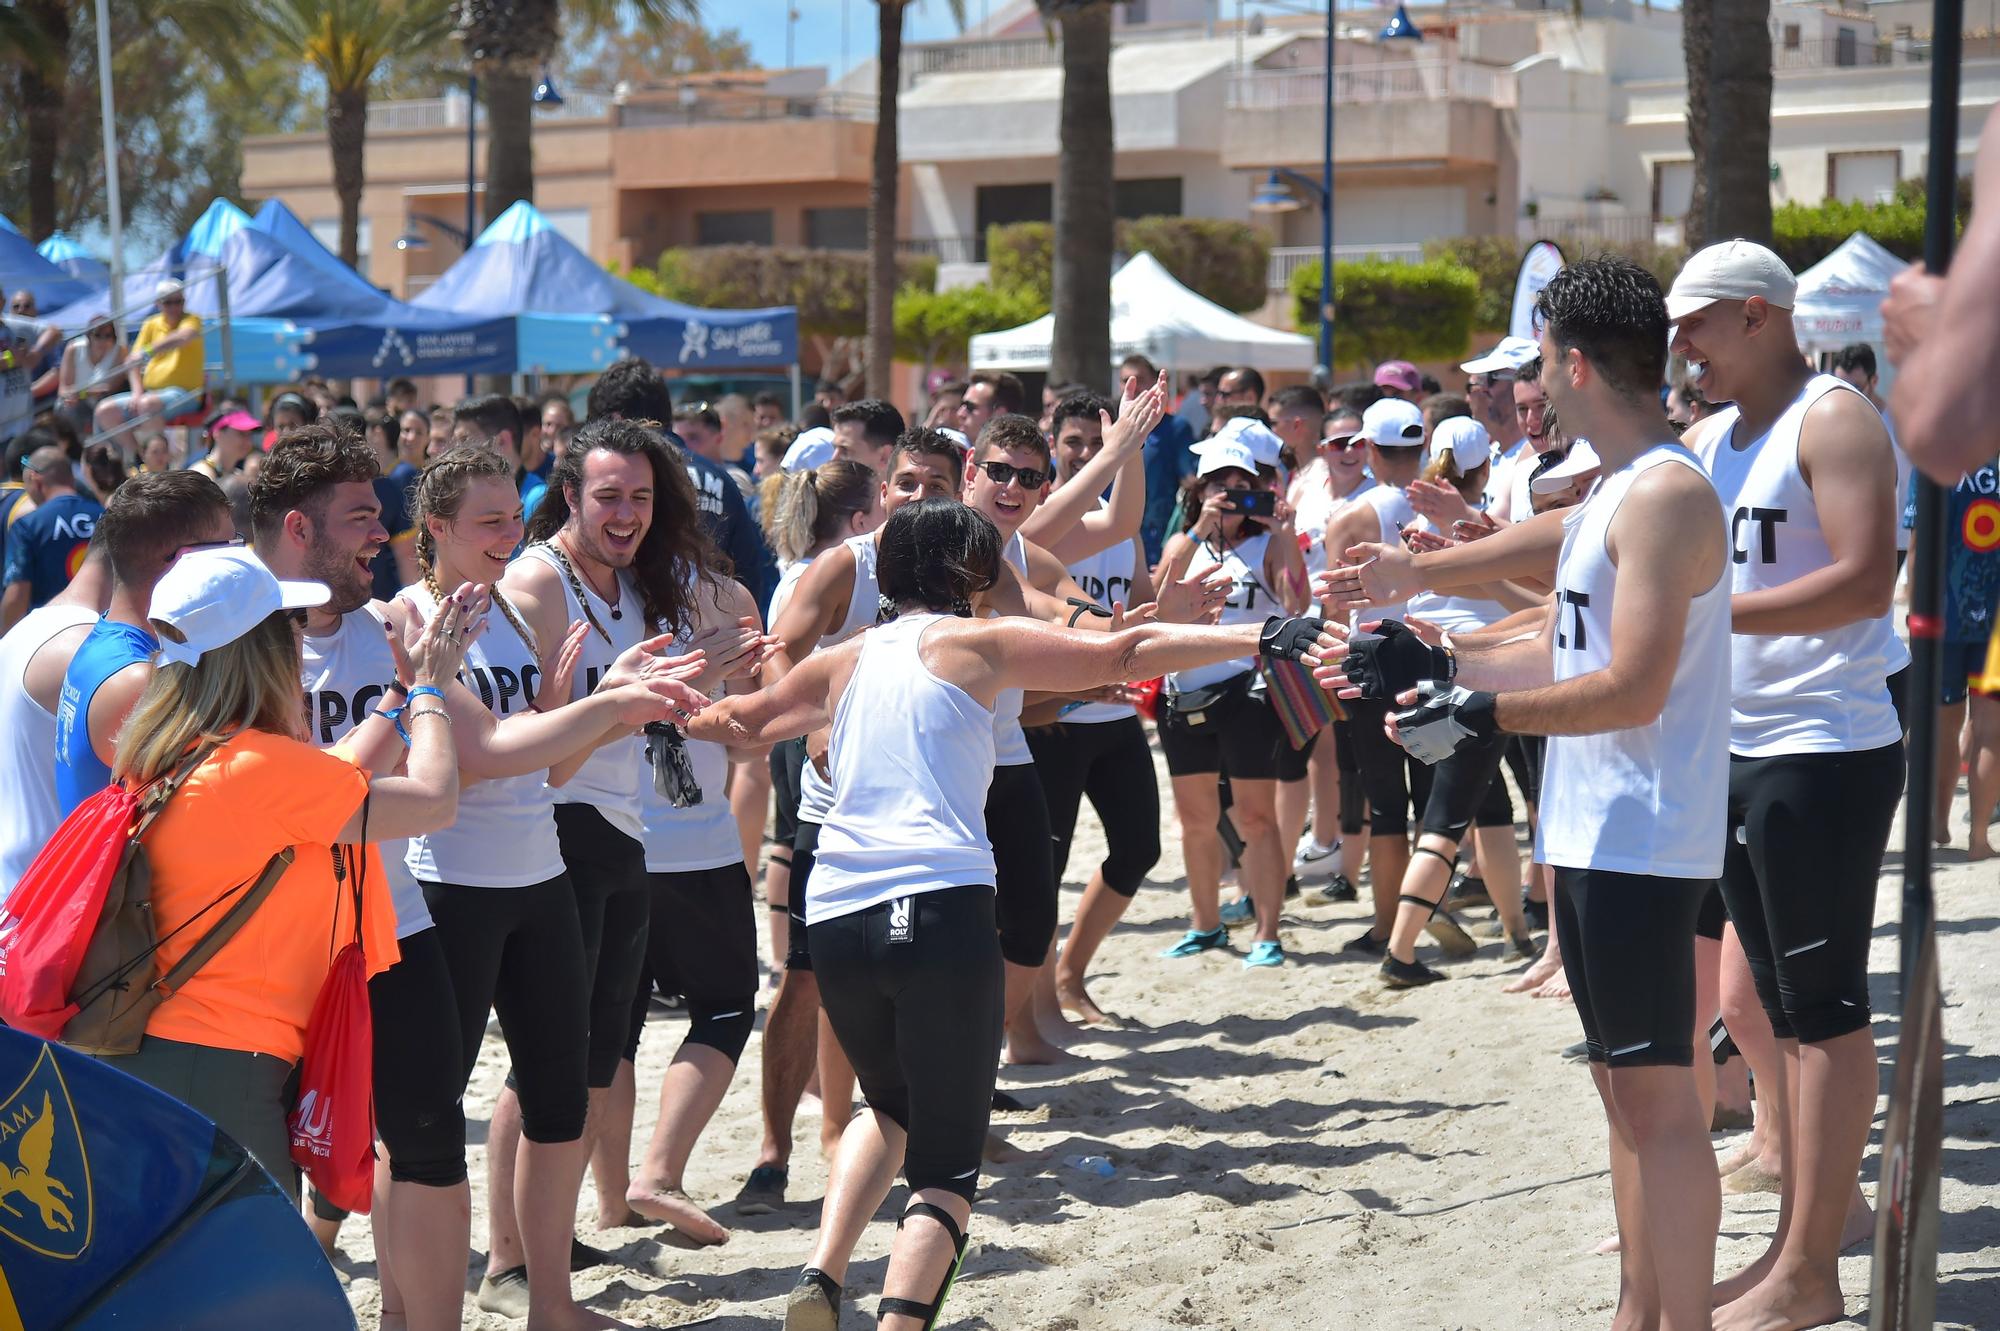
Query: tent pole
[[228, 339], [798, 400]]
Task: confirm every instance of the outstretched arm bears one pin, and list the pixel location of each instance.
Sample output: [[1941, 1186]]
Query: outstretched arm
[[802, 701]]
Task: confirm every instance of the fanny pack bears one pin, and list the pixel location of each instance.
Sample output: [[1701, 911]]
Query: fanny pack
[[1204, 706]]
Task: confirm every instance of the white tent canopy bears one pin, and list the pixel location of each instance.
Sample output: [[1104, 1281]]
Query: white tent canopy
[[1156, 317], [1840, 297]]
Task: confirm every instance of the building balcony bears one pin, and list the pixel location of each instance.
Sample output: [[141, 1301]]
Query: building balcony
[[1404, 113], [1288, 259]]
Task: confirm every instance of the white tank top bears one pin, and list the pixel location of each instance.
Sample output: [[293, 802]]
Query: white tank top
[[345, 676], [1453, 614], [505, 835], [788, 582], [1392, 514], [702, 836], [1650, 800], [912, 759], [611, 778], [30, 814], [1105, 577], [815, 791], [1010, 742], [1797, 693], [1249, 602]]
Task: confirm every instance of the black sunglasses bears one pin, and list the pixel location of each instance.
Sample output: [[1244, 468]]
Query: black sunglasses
[[297, 617], [1344, 443], [1003, 472]]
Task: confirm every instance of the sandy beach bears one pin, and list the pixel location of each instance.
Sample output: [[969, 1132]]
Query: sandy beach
[[1293, 1148]]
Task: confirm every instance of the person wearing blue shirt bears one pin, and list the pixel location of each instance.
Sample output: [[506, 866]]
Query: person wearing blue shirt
[[1170, 460], [46, 547]]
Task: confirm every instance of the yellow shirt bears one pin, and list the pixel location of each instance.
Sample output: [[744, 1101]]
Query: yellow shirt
[[178, 368]]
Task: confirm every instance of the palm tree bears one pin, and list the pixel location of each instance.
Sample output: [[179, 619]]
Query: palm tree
[[34, 38], [1727, 47], [508, 42], [1084, 204], [348, 41]]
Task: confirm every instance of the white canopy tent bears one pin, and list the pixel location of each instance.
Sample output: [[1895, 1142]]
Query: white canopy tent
[[1156, 317], [1840, 298]]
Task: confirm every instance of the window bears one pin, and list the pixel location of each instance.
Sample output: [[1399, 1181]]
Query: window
[[1673, 190], [327, 232], [837, 228], [1159, 197], [1863, 177], [999, 205], [1791, 36], [749, 227], [572, 224]]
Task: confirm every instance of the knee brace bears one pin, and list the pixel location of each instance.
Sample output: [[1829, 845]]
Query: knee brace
[[888, 1304], [721, 1025]]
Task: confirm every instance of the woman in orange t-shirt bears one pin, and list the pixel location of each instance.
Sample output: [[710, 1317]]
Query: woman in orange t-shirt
[[229, 1041]]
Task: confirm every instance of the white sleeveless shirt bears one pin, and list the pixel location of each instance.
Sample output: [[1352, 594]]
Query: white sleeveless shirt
[[702, 836], [611, 778], [1650, 800], [1392, 514], [30, 813], [505, 834], [345, 676], [1010, 742], [1452, 613], [1105, 577], [1796, 693], [1249, 602], [865, 602], [912, 760]]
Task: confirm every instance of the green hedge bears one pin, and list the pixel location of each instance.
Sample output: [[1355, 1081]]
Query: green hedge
[[937, 327], [1803, 234], [829, 287], [1383, 311], [1495, 260], [1227, 262]]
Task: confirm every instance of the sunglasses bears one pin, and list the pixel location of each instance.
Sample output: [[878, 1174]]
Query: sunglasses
[[20, 308], [1002, 472], [1344, 443], [102, 334], [297, 618], [230, 544]]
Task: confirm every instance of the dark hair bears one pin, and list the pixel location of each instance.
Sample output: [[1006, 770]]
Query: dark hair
[[302, 467], [1358, 397], [1530, 372], [1077, 406], [1213, 378], [1250, 377], [815, 416], [151, 516], [31, 440], [699, 411], [631, 390], [104, 465], [813, 505], [1152, 370], [66, 435], [939, 554], [493, 413], [1614, 313], [829, 386], [1429, 385], [1692, 395], [1299, 397], [676, 544], [389, 425], [1337, 411], [1012, 431], [438, 493], [1856, 356], [400, 385], [926, 443], [1008, 393], [348, 419], [881, 424], [1443, 406]]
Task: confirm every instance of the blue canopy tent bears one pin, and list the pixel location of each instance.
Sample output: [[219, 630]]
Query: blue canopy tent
[[75, 260], [21, 267], [521, 263]]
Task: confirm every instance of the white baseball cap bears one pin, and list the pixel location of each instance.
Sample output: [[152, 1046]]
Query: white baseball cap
[[1581, 460], [956, 436], [1222, 454], [1731, 270], [1467, 440], [168, 287], [1509, 356], [1260, 439], [1393, 423], [210, 598], [811, 448]]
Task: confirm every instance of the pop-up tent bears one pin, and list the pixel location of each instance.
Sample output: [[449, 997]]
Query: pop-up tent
[[522, 265], [1840, 298], [1154, 316], [22, 267], [75, 260]]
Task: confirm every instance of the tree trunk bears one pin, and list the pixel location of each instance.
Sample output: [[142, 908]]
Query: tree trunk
[[509, 90], [1084, 210], [882, 191], [1728, 53], [41, 92], [346, 137]]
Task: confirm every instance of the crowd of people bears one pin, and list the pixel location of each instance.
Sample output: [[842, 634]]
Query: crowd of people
[[537, 708]]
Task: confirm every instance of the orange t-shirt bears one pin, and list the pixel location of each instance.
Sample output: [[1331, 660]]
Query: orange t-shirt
[[254, 796]]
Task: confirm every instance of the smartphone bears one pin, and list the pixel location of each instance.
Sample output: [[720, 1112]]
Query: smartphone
[[1252, 503]]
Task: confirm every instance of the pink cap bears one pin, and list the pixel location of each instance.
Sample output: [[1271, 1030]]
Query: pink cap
[[1398, 374], [239, 420]]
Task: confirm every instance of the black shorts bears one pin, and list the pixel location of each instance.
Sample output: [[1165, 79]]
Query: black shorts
[[1963, 663], [1024, 864], [787, 766], [1467, 791], [1294, 764], [703, 934], [419, 1112], [920, 1020], [1239, 737], [805, 851], [1110, 762], [1525, 754], [1807, 833], [1714, 915], [1393, 781], [608, 868], [1628, 950]]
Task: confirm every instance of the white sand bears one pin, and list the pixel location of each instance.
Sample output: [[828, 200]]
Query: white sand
[[1295, 1148]]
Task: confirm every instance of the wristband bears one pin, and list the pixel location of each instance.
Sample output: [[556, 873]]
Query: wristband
[[1083, 608], [395, 716], [426, 691]]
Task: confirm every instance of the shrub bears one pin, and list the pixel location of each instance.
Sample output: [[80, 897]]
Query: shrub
[[829, 287], [1381, 310], [1803, 234], [1021, 256], [934, 327], [1494, 260], [1226, 262]]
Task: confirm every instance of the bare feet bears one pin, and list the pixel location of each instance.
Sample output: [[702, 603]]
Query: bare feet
[[621, 1217], [1860, 1224], [1978, 847], [1073, 998], [1742, 1156], [1028, 1048], [1557, 986], [1753, 1177], [1788, 1300], [673, 1206], [1612, 1245], [572, 1317], [1536, 975], [1941, 831], [1736, 1286], [997, 1151]]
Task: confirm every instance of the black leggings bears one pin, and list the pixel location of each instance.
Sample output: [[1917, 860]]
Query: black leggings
[[518, 952], [613, 906], [704, 935], [1110, 762], [1394, 781], [805, 853], [1466, 790], [1524, 759], [1353, 799], [419, 1109], [1628, 951], [1024, 864], [1800, 883], [920, 1020]]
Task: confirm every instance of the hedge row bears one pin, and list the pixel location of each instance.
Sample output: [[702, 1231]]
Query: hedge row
[[1227, 262], [1384, 310], [829, 287]]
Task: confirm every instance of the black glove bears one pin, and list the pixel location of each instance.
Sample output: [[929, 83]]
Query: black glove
[[1444, 721], [1394, 660], [1290, 637]]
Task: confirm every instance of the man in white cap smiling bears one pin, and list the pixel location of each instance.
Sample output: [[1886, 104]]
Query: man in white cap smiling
[[1489, 385], [168, 367], [1803, 465]]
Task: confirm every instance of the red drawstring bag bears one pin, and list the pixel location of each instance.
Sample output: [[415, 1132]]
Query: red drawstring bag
[[47, 923], [333, 1124], [1149, 697]]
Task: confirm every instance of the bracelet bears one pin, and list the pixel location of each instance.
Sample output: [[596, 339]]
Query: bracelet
[[425, 691], [431, 711], [397, 686]]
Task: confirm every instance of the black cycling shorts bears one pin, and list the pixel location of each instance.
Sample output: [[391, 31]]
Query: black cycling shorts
[[1110, 762], [788, 761], [1807, 833], [1024, 864], [703, 934], [1393, 781], [913, 988], [1239, 736], [419, 1112], [1467, 791], [1628, 950], [608, 868], [1714, 915], [805, 852]]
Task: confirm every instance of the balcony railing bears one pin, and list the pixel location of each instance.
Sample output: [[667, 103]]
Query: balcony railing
[[433, 113], [749, 108], [1401, 81], [1849, 53], [945, 249], [1611, 229], [1288, 259]]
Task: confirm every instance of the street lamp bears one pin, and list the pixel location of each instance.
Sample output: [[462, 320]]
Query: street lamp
[[1400, 27], [545, 91], [413, 239], [1273, 196]]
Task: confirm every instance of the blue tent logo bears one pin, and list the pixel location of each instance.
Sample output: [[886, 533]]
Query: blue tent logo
[[45, 1197]]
